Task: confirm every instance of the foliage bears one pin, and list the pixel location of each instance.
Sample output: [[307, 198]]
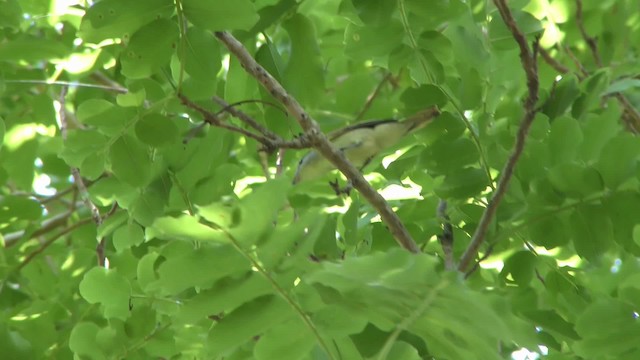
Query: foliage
[[203, 256]]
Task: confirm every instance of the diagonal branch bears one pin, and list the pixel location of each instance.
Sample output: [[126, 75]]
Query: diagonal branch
[[77, 178], [528, 58], [320, 141]]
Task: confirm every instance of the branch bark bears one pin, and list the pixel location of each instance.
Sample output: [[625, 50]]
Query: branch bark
[[319, 140], [528, 58]]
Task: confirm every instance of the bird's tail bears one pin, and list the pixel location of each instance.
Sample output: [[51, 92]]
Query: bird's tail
[[421, 119]]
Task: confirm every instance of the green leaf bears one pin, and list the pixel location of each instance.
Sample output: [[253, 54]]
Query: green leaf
[[462, 183], [130, 161], [18, 208], [156, 130], [592, 231], [11, 14], [83, 340], [289, 340], [521, 266], [108, 118], [31, 49], [621, 85], [619, 160], [202, 58], [339, 321], [226, 295], [3, 130], [422, 97], [304, 74], [362, 43], [221, 15], [550, 320], [109, 289], [248, 320], [374, 12], [184, 228], [551, 232], [562, 97], [565, 139], [127, 236], [80, 144], [259, 210], [183, 267], [121, 18], [608, 329], [150, 49]]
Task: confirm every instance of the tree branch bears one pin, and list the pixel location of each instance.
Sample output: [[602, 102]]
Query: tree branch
[[320, 141], [77, 179], [555, 64], [446, 238], [528, 58], [591, 41]]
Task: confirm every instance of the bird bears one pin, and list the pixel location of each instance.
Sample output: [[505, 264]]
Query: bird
[[361, 142]]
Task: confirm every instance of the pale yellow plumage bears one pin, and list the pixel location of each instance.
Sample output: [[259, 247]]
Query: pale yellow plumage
[[361, 142]]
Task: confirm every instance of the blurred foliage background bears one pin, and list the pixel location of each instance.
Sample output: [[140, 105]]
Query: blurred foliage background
[[131, 231]]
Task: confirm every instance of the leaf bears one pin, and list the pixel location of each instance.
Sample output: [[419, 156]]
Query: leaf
[[248, 320], [156, 130], [621, 85], [202, 57], [521, 266], [259, 210], [288, 340], [303, 75], [422, 97], [363, 43], [150, 49], [185, 228], [108, 118], [32, 49], [462, 183], [83, 340], [226, 295], [121, 18], [183, 267], [220, 15], [130, 161], [592, 231], [374, 12], [565, 139], [108, 288], [619, 160], [562, 97], [127, 236], [18, 208]]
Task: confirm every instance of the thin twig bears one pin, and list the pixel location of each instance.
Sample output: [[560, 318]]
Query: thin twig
[[484, 257], [212, 119], [371, 98], [320, 141], [446, 238], [591, 41], [245, 118], [56, 221], [528, 58], [48, 243], [77, 179], [555, 64]]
